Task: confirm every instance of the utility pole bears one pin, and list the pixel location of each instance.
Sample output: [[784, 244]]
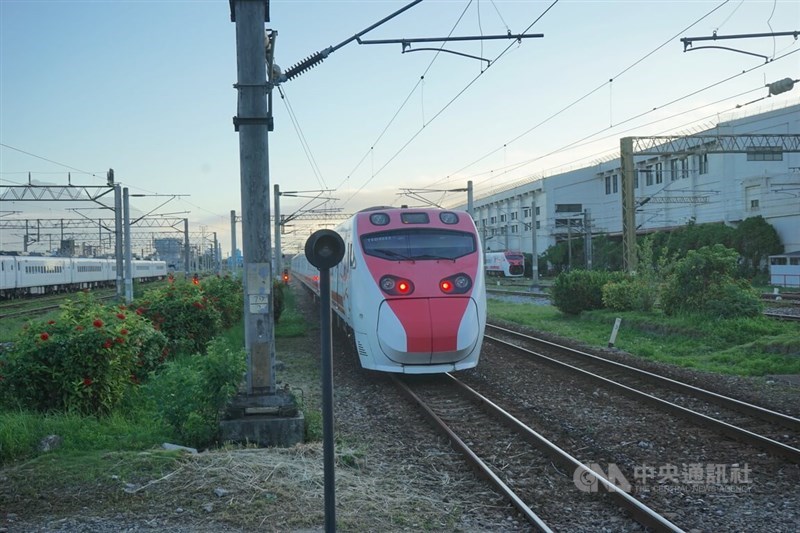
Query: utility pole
[[126, 214], [277, 194], [534, 254], [118, 239], [186, 252], [252, 124], [234, 264], [587, 238]]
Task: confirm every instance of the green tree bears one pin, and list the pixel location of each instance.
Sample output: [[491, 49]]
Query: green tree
[[756, 239]]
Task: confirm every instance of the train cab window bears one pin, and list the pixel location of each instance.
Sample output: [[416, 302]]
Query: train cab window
[[419, 245]]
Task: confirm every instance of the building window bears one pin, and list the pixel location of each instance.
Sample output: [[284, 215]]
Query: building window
[[514, 228], [514, 215], [659, 173], [608, 184], [538, 225], [702, 164], [492, 220], [614, 183], [537, 211], [526, 212], [753, 205], [648, 175], [502, 218], [684, 168], [766, 153], [673, 169], [569, 208]]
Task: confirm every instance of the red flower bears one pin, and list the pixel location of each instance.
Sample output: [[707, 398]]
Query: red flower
[[87, 382], [98, 323], [124, 331], [120, 316], [107, 344], [198, 305], [140, 310], [120, 340], [44, 336], [51, 322]]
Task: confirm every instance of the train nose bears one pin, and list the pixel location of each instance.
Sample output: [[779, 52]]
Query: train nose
[[428, 330]]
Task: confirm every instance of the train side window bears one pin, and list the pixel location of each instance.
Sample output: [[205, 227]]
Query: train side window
[[350, 255]]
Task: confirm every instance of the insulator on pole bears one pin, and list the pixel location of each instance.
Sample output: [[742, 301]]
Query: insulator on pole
[[781, 86], [305, 65]]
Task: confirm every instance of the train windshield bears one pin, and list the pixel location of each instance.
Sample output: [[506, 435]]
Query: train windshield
[[419, 244], [514, 257]]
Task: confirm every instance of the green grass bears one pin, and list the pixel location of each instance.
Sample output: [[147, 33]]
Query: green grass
[[746, 347]]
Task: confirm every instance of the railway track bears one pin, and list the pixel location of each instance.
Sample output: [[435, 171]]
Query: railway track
[[774, 432], [14, 311], [518, 461]]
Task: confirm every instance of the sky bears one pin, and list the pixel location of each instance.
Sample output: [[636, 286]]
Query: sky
[[146, 87]]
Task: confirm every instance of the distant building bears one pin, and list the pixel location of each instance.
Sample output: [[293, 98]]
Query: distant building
[[170, 250], [670, 190]]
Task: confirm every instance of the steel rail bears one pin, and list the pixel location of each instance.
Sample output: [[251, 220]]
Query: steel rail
[[482, 468], [678, 386], [737, 433]]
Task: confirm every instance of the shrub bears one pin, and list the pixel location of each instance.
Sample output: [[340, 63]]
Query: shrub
[[705, 282], [581, 290], [184, 314], [83, 361], [190, 393], [225, 294], [629, 295]]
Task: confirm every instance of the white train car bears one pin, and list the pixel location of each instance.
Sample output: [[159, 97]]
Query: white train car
[[42, 275], [24, 275], [88, 273], [508, 264], [148, 270], [410, 288], [784, 270]]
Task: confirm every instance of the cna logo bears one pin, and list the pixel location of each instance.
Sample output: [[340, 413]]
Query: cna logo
[[589, 479]]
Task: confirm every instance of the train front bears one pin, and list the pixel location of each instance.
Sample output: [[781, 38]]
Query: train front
[[421, 303]]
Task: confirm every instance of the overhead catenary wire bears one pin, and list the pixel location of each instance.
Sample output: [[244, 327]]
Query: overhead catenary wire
[[448, 104]]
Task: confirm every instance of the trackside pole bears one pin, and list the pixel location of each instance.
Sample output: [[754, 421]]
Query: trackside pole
[[324, 250]]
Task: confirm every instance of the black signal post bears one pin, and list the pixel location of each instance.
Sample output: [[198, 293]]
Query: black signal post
[[324, 250]]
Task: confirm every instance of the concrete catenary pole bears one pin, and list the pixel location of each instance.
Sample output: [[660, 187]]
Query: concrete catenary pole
[[126, 213], [234, 264], [534, 253], [252, 124], [277, 216], [118, 240], [470, 203], [186, 249]]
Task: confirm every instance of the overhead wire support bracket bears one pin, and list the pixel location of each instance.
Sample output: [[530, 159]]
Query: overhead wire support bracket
[[406, 43], [687, 41]]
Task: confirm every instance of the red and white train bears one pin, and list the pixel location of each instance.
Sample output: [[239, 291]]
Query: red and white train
[[410, 289], [22, 275], [509, 264]]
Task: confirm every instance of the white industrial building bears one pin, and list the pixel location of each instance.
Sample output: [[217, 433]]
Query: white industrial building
[[701, 177]]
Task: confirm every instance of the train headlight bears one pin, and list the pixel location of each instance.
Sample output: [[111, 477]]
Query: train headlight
[[396, 286], [457, 284], [379, 219], [448, 218]]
